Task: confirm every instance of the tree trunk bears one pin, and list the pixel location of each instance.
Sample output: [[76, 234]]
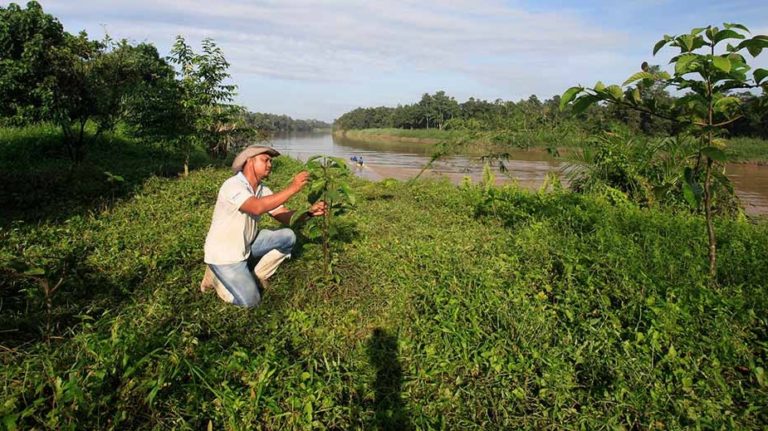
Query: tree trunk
[[710, 225]]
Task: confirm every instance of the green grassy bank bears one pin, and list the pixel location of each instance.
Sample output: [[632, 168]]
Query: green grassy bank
[[481, 140], [744, 150], [454, 308]]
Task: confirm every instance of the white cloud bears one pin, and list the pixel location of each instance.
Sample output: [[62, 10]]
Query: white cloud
[[504, 49]]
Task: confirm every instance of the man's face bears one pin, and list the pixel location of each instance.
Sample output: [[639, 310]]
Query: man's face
[[261, 165]]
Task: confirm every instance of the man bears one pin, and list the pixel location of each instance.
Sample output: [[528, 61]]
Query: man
[[234, 242]]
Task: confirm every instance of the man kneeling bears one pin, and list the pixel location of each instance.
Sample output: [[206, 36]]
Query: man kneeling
[[239, 256]]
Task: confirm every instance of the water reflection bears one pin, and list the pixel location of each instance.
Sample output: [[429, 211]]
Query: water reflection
[[403, 160]]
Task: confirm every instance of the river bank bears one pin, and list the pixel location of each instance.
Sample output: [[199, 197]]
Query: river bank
[[752, 151]]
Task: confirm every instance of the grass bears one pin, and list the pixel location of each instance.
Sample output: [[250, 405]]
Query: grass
[[480, 142], [748, 150], [453, 308]]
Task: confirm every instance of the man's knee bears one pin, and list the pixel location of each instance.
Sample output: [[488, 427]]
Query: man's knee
[[287, 240]]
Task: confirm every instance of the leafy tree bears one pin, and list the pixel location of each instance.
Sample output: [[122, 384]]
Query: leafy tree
[[48, 74], [32, 45], [707, 75], [209, 119]]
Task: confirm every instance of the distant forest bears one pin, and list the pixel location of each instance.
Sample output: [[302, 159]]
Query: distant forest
[[282, 123], [441, 111]]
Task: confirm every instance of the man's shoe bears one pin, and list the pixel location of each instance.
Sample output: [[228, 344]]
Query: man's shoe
[[262, 283]]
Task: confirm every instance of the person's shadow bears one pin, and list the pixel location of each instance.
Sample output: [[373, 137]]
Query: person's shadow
[[391, 413]]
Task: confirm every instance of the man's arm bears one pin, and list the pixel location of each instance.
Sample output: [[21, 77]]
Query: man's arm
[[283, 215], [258, 206]]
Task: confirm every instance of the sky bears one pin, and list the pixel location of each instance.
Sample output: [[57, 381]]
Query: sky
[[314, 59]]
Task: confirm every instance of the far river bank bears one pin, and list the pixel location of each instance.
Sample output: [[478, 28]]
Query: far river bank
[[527, 168]]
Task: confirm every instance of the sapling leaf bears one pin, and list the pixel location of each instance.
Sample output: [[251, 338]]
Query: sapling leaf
[[714, 153], [638, 76], [599, 86], [689, 195], [722, 63], [686, 63], [727, 34], [298, 214], [569, 95], [733, 25], [583, 102], [759, 75], [615, 92]]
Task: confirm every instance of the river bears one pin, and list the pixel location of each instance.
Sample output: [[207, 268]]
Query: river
[[527, 168]]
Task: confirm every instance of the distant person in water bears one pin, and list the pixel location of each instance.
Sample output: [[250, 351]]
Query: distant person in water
[[358, 160], [239, 256]]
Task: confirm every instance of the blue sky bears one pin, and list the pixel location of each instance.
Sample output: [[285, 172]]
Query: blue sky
[[319, 59]]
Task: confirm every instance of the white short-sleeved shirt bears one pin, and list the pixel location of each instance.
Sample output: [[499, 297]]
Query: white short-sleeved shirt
[[232, 231]]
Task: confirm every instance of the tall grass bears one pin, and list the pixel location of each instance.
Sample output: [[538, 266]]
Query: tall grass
[[748, 149], [456, 308]]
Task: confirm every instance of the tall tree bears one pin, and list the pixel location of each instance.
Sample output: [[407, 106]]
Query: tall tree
[[707, 74]]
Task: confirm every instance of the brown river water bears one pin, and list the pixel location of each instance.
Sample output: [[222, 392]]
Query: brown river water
[[528, 168]]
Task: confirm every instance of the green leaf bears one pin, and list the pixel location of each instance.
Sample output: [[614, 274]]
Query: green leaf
[[689, 195], [686, 42], [599, 86], [660, 44], [714, 153], [759, 75], [722, 63], [754, 45], [727, 34], [697, 30], [584, 102], [711, 32], [615, 92], [685, 63], [569, 95], [298, 213], [732, 25], [725, 104], [636, 96], [638, 76]]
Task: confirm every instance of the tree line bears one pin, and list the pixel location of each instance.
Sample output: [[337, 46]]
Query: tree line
[[80, 84], [441, 111], [283, 123]]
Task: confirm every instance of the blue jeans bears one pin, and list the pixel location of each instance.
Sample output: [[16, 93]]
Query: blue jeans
[[238, 277]]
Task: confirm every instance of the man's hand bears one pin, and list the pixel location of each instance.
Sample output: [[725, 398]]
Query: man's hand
[[300, 180], [317, 209]]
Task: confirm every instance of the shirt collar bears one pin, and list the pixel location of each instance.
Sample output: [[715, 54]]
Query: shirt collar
[[241, 177]]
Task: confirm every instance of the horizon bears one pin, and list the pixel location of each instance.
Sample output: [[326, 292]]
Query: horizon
[[318, 60]]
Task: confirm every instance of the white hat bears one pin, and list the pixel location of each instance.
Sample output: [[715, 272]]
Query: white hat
[[248, 152]]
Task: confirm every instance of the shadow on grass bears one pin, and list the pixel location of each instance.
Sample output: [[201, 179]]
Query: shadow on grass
[[390, 410], [30, 316], [40, 183]]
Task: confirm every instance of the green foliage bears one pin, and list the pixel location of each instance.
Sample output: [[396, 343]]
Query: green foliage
[[204, 110], [460, 309], [328, 183], [707, 78]]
